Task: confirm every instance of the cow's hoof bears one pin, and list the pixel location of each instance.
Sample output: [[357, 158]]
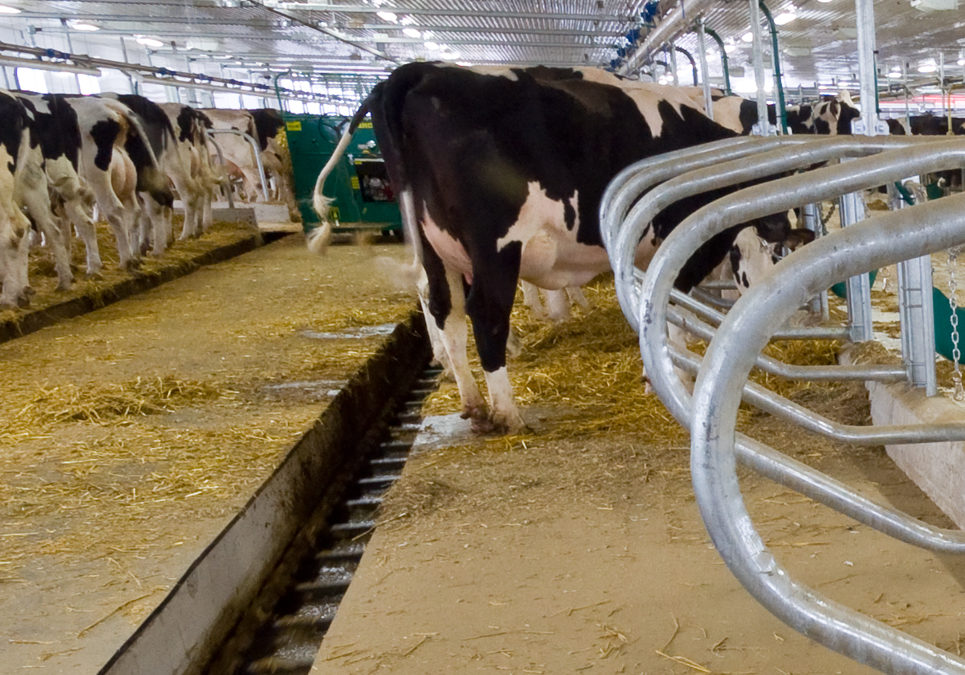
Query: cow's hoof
[[23, 300], [65, 286]]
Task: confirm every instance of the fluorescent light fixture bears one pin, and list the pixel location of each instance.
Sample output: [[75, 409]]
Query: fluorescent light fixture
[[387, 16], [784, 18], [927, 68], [84, 26], [432, 45], [407, 21], [6, 9], [411, 32], [747, 37], [894, 74], [148, 41]]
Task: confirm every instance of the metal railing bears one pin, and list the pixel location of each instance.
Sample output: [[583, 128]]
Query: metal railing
[[254, 149], [736, 345]]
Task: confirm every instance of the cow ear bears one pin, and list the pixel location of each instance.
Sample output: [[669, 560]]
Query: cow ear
[[799, 236]]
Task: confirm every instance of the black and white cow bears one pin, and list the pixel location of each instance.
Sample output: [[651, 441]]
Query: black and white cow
[[117, 162], [503, 173], [169, 164], [191, 127], [270, 125], [14, 225], [56, 127]]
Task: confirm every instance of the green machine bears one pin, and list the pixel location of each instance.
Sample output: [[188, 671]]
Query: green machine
[[360, 183]]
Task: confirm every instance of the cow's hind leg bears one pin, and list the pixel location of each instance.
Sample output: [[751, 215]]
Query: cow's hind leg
[[489, 306], [447, 308]]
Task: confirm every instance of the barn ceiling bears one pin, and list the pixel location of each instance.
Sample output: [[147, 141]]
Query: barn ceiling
[[324, 37]]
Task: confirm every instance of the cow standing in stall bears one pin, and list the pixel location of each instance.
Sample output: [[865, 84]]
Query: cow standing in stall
[[117, 162], [269, 124], [55, 123], [501, 173], [14, 225], [191, 126], [239, 155]]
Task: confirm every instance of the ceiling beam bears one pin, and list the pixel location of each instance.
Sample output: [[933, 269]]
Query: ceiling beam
[[442, 11]]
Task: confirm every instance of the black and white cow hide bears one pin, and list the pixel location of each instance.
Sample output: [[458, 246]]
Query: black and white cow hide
[[503, 172]]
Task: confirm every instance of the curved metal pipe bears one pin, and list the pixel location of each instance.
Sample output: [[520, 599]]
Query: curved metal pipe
[[873, 243], [723, 59], [747, 204]]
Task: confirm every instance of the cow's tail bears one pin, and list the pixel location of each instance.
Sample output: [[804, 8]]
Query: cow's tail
[[150, 178], [319, 237]]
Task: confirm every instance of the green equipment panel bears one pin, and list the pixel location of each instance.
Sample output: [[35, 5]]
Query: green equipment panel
[[359, 183]]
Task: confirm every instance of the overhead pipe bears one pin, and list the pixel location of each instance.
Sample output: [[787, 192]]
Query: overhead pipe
[[89, 65], [673, 24]]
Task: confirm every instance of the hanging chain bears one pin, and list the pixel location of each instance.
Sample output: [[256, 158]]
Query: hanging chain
[[959, 394]]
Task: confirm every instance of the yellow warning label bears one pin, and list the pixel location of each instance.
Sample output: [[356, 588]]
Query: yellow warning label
[[295, 125], [355, 182], [365, 125]]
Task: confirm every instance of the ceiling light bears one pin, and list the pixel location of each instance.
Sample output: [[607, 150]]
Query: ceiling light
[[927, 67], [432, 45], [407, 21], [83, 26], [894, 74], [387, 16], [411, 32], [825, 1], [149, 41], [747, 37], [784, 18], [4, 9]]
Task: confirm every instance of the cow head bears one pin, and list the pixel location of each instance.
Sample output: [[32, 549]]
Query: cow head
[[757, 248]]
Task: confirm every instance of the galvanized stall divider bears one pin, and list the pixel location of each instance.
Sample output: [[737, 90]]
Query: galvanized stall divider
[[743, 333], [254, 149]]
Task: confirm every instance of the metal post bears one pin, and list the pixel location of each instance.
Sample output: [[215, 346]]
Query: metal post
[[865, 18], [763, 127], [723, 59], [693, 64], [672, 60], [858, 288], [704, 73], [818, 305], [778, 85]]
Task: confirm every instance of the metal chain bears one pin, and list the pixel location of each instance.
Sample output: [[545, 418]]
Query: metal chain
[[959, 394], [826, 218]]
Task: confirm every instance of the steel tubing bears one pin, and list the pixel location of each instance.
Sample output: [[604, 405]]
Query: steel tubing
[[739, 207], [766, 400], [726, 174], [875, 373], [714, 317], [876, 242]]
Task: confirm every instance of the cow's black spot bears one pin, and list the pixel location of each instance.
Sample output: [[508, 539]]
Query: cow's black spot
[[104, 133]]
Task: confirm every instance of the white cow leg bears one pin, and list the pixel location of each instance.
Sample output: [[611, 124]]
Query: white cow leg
[[505, 414], [454, 337], [88, 234], [575, 294], [557, 305], [532, 299]]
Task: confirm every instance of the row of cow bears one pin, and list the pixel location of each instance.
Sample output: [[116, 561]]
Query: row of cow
[[500, 172], [63, 156]]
